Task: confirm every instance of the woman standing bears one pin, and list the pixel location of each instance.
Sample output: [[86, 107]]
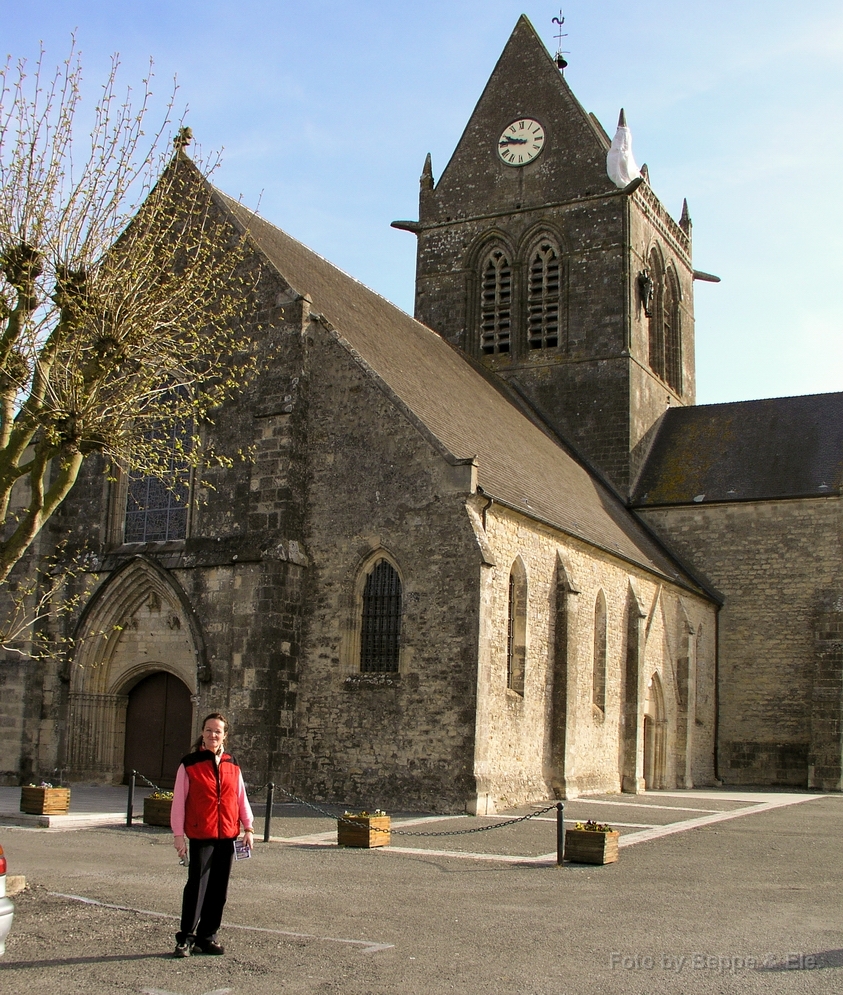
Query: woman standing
[[209, 805]]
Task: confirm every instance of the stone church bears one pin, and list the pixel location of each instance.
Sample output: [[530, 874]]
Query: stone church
[[489, 555]]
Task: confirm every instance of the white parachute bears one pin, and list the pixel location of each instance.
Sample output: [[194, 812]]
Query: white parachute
[[620, 163]]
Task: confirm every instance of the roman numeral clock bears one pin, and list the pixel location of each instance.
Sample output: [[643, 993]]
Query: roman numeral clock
[[521, 141]]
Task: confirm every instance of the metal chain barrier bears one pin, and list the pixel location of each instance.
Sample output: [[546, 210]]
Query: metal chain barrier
[[477, 829], [353, 822], [408, 832], [130, 803], [146, 780]]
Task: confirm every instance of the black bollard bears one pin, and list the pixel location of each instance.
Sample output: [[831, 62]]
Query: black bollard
[[560, 834], [270, 794], [130, 804]]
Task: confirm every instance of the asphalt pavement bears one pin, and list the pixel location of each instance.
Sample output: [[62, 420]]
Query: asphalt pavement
[[714, 891]]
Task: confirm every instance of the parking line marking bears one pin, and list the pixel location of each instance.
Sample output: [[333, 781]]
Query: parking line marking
[[706, 820], [369, 946], [670, 808], [504, 858], [162, 991], [626, 825], [628, 839]]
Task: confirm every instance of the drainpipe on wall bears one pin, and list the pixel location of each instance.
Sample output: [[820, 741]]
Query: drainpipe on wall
[[490, 502]]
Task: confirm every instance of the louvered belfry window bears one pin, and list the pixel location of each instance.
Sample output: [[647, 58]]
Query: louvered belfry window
[[496, 304], [656, 324], [543, 302], [380, 637], [672, 336]]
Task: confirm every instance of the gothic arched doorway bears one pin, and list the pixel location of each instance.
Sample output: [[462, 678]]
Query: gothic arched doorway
[[139, 611], [158, 728]]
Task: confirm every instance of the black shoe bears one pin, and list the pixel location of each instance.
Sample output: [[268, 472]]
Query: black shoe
[[208, 947], [183, 949]]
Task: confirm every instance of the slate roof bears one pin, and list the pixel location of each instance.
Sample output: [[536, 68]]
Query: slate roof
[[781, 447], [517, 463]]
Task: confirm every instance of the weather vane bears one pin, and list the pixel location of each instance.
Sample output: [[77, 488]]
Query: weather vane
[[560, 56]]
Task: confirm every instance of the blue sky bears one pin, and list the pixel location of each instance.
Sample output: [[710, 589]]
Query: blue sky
[[325, 111]]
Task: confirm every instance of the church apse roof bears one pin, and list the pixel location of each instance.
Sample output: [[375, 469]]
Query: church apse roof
[[518, 464], [772, 449]]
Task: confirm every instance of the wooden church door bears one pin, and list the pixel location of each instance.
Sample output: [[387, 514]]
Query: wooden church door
[[158, 728]]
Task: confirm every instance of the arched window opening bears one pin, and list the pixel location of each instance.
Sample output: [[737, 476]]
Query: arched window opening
[[672, 335], [156, 508], [699, 674], [496, 304], [380, 635], [656, 323], [598, 680], [516, 636], [543, 298]]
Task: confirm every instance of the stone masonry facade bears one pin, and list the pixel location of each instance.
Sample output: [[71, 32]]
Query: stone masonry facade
[[554, 735], [778, 567]]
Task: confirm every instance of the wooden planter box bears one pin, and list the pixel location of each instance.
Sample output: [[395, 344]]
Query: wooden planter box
[[363, 830], [582, 846], [44, 801], [156, 811]]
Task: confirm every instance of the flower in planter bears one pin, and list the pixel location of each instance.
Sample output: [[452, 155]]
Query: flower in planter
[[594, 827], [378, 813], [165, 796]]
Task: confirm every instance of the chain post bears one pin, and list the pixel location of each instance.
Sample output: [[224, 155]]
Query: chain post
[[560, 834], [270, 794], [130, 803]]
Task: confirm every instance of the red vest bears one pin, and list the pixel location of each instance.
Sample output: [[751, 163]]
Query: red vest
[[212, 809]]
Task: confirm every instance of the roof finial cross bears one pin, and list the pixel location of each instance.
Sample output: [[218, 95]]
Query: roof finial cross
[[559, 58]]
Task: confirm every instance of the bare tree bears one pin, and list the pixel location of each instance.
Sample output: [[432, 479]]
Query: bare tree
[[119, 288]]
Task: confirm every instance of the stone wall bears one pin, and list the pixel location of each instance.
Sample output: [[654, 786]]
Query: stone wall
[[778, 566], [234, 585], [378, 488], [554, 740]]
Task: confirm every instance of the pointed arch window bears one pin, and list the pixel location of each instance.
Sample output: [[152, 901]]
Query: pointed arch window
[[516, 634], [672, 333], [380, 634], [665, 330], [598, 679], [699, 672], [543, 297], [656, 324], [156, 508], [495, 303]]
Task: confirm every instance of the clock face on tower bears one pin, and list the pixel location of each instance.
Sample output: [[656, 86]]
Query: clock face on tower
[[521, 141]]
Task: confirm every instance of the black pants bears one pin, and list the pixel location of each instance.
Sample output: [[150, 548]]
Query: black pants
[[206, 889]]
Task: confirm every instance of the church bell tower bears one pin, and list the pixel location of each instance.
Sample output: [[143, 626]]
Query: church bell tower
[[575, 288]]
